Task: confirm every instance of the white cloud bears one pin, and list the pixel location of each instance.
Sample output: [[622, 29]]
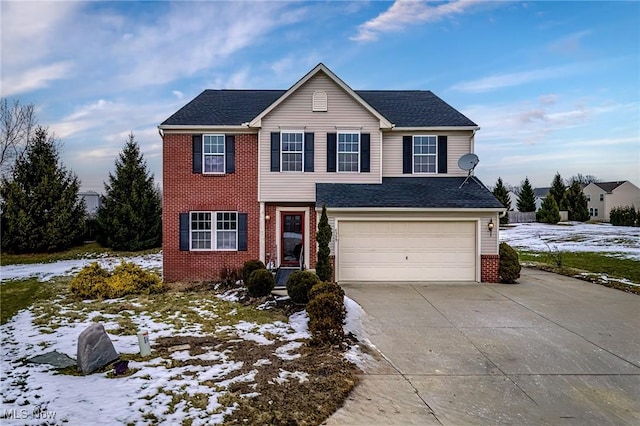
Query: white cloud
[[410, 12], [570, 43], [34, 78], [178, 94]]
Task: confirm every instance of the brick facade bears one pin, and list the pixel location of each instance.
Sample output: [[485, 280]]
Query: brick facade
[[489, 265], [184, 191]]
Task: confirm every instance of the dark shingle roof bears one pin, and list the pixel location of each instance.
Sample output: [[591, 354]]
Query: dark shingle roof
[[404, 108], [412, 192], [224, 107], [541, 192], [414, 108], [610, 186]]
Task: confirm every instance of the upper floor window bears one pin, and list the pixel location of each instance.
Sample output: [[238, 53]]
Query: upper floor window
[[292, 151], [349, 152], [424, 154], [213, 153], [601, 197], [588, 197]]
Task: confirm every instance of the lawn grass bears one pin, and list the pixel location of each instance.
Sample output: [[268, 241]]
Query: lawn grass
[[88, 250], [596, 263], [20, 294]]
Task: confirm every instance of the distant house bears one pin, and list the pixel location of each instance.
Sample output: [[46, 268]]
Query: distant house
[[92, 202], [540, 194], [603, 196]]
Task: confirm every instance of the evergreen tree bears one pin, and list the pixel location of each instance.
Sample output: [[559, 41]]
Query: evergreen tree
[[558, 190], [526, 198], [576, 203], [41, 210], [323, 237], [130, 217], [549, 211], [500, 192]]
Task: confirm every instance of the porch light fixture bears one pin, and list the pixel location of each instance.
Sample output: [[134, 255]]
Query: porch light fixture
[[490, 225], [267, 217]]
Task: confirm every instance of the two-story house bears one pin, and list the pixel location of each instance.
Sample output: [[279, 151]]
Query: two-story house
[[246, 173], [603, 196]]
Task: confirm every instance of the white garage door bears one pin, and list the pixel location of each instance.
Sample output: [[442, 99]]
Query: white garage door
[[406, 251]]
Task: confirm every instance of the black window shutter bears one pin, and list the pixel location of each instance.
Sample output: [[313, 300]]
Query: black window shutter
[[365, 152], [184, 231], [275, 151], [407, 154], [442, 154], [332, 140], [197, 153], [242, 231], [308, 152], [230, 153]]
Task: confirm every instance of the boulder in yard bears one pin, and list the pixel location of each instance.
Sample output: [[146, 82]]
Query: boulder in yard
[[95, 349]]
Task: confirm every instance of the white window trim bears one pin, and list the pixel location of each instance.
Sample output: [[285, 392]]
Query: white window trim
[[338, 152], [291, 152], [413, 155], [213, 230], [224, 154], [601, 197]]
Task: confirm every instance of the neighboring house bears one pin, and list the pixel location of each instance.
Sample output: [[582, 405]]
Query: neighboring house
[[92, 202], [246, 173], [603, 196], [541, 194]]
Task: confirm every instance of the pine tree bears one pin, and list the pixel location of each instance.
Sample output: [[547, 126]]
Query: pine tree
[[558, 190], [576, 203], [526, 198], [500, 192], [130, 217], [549, 211], [323, 237], [41, 210]]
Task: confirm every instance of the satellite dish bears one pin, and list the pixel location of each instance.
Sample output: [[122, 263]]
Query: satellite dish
[[468, 161]]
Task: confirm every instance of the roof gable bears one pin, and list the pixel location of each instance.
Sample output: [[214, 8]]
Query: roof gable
[[609, 187], [384, 123]]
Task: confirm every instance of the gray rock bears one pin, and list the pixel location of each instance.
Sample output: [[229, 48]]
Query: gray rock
[[95, 349], [55, 358]]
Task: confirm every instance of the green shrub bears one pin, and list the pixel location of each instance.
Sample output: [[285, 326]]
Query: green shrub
[[249, 267], [260, 283], [323, 237], [93, 282], [509, 269], [624, 216], [549, 211], [299, 284], [326, 314], [90, 282]]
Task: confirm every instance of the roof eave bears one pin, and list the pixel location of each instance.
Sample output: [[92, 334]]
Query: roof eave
[[434, 128], [414, 209], [257, 121], [209, 127]]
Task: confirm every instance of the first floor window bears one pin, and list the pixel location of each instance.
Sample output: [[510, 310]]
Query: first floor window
[[591, 211], [292, 151], [214, 230], [349, 152], [424, 154], [595, 212], [213, 153]]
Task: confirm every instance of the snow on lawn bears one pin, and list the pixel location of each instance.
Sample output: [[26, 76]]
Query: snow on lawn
[[615, 241], [46, 271]]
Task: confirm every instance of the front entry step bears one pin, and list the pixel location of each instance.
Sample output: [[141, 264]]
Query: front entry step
[[282, 275]]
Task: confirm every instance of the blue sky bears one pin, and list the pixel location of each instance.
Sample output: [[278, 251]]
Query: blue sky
[[555, 86]]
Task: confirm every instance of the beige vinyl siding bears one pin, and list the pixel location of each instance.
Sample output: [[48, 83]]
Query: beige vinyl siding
[[489, 241], [626, 194], [295, 113], [458, 144]]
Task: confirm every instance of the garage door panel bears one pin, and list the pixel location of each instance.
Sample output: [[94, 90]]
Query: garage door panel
[[407, 251]]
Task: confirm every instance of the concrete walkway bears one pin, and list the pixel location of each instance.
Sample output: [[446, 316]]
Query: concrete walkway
[[551, 350]]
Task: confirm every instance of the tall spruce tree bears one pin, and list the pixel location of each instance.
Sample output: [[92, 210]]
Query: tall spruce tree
[[576, 203], [549, 211], [501, 193], [130, 217], [526, 198], [323, 237], [41, 211], [558, 190]]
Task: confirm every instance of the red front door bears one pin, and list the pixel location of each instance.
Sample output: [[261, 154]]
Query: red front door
[[292, 238]]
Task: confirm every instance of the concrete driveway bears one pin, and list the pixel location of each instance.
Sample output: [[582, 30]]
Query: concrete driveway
[[551, 350]]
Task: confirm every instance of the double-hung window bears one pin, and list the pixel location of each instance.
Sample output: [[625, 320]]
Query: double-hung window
[[213, 153], [424, 154], [214, 230], [349, 152], [292, 151]]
